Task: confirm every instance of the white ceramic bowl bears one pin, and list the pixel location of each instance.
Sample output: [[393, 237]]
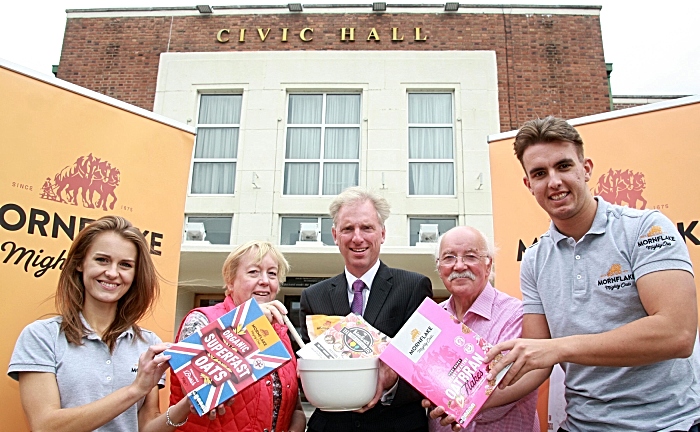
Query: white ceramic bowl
[[339, 384]]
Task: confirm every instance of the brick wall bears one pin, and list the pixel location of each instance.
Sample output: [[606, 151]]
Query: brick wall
[[547, 64]]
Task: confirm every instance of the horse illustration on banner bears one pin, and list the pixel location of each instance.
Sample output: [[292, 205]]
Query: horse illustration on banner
[[91, 178], [622, 188]]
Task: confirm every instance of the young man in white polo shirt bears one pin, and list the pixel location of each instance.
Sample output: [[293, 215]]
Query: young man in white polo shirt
[[608, 293]]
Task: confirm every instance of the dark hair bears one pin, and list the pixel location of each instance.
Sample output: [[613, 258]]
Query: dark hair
[[134, 304], [546, 130]]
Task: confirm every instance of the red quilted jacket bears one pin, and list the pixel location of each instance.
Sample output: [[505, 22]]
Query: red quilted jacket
[[251, 410]]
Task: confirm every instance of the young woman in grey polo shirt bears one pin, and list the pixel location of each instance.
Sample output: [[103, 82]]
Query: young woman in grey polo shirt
[[92, 367]]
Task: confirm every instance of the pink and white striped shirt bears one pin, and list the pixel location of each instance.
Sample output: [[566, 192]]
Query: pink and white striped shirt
[[497, 317]]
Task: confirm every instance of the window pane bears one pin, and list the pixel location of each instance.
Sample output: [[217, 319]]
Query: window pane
[[430, 108], [303, 143], [444, 224], [430, 179], [291, 227], [339, 143], [301, 178], [342, 143], [305, 109], [343, 109], [430, 143], [218, 228], [326, 232], [338, 176], [216, 143], [213, 177], [220, 109]]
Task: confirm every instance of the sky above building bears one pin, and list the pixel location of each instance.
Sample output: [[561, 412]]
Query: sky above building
[[654, 46]]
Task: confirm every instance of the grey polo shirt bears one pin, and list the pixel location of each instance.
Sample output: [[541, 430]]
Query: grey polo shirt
[[589, 287], [84, 373]]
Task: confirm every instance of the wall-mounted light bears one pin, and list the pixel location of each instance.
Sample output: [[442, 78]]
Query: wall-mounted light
[[205, 9], [428, 233], [379, 7], [295, 7], [451, 7], [309, 232], [195, 231]]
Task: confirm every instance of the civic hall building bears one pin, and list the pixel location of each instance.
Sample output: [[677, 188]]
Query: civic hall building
[[294, 103]]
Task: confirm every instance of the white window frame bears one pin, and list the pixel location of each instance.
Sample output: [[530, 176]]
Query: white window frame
[[323, 127], [199, 126], [452, 126]]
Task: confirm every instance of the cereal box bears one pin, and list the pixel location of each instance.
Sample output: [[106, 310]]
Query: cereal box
[[317, 324], [350, 337], [444, 360], [227, 356]]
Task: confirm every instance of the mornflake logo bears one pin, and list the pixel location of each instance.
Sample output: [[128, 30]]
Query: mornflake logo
[[616, 278], [416, 337], [655, 239]]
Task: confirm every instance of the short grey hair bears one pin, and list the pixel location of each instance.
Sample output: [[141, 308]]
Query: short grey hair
[[490, 246], [358, 194]]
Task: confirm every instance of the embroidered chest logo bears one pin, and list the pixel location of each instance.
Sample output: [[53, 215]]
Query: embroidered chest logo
[[615, 278], [655, 239]]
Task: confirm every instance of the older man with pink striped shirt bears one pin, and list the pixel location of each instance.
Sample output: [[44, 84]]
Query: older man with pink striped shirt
[[464, 261]]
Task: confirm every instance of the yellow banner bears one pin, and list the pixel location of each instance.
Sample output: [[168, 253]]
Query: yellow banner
[[71, 156]]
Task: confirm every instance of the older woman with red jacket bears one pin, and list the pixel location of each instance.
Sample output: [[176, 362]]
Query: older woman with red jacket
[[271, 404]]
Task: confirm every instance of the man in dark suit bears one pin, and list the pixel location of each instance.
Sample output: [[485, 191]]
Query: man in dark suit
[[388, 298]]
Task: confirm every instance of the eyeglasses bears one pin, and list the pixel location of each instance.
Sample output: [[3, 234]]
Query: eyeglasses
[[469, 259]]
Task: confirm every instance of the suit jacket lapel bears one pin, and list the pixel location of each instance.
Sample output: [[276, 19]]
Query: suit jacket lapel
[[381, 285], [338, 293]]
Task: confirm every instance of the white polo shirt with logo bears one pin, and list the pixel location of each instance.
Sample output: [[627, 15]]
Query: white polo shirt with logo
[[589, 287], [84, 373]]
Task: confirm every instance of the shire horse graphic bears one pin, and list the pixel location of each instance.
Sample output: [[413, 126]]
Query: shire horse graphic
[[91, 178], [75, 178], [622, 188], [105, 180]]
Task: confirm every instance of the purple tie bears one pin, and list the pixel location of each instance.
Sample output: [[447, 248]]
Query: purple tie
[[357, 288]]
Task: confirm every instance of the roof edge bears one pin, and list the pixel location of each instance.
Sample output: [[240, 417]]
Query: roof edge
[[658, 106], [73, 88], [337, 6]]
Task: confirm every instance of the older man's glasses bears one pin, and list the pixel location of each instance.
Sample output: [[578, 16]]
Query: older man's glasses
[[469, 259]]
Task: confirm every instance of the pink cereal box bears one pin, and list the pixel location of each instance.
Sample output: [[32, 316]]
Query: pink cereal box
[[444, 360], [350, 337]]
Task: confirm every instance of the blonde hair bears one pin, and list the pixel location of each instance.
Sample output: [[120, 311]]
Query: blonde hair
[[259, 249], [357, 194]]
